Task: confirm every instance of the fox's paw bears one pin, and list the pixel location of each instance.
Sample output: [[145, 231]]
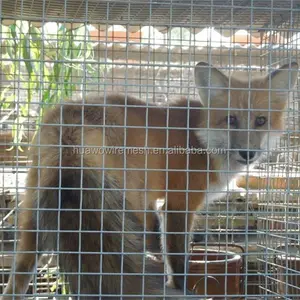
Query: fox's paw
[[178, 283], [171, 283]]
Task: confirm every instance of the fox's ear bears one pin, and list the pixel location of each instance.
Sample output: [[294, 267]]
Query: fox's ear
[[283, 80], [210, 82]]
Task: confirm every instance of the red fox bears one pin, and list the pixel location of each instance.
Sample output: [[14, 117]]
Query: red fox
[[131, 153]]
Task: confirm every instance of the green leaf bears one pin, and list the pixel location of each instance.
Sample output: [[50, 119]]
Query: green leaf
[[89, 51], [6, 117], [46, 95], [10, 50], [26, 55], [8, 101], [46, 72], [36, 57], [56, 70], [20, 131], [36, 36], [3, 93], [53, 287], [13, 31]]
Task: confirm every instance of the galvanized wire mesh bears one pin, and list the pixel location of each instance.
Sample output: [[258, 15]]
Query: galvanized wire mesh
[[51, 51]]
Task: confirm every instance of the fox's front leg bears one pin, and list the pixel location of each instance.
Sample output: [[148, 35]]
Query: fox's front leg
[[153, 234], [152, 228], [176, 227], [25, 263]]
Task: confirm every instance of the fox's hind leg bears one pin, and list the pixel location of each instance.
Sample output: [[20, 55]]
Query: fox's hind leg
[[153, 234], [176, 227]]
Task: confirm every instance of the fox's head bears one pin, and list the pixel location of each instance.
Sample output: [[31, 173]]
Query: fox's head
[[243, 118]]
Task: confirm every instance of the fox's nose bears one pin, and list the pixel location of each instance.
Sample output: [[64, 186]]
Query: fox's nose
[[247, 155]]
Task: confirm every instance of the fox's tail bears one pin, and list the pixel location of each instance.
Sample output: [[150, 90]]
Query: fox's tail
[[100, 244]]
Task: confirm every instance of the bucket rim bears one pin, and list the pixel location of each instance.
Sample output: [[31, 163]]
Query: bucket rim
[[234, 257]]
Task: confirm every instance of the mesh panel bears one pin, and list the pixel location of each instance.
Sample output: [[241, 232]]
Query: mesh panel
[[109, 183]]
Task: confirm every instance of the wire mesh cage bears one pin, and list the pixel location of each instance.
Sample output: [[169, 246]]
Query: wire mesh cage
[[120, 214]]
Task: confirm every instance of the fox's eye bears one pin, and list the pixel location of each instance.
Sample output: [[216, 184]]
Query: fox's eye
[[260, 121], [232, 120]]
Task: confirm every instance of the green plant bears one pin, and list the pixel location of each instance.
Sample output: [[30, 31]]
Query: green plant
[[60, 283], [49, 66]]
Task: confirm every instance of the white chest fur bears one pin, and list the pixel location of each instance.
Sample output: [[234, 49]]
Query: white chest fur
[[225, 184], [217, 191]]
